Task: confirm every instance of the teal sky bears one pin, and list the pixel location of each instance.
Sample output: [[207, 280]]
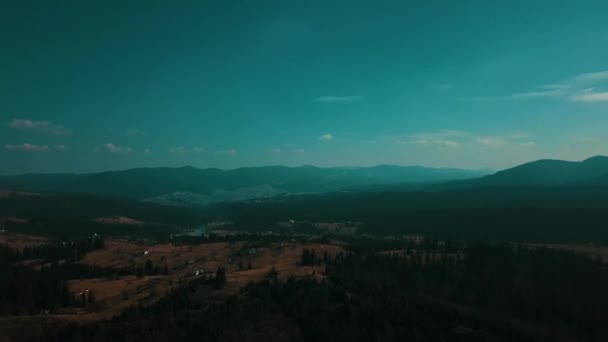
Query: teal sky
[[99, 85]]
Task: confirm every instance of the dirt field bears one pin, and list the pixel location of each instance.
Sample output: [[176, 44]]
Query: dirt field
[[20, 241], [113, 296], [118, 220]]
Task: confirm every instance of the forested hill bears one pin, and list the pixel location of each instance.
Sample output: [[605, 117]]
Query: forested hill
[[547, 172]]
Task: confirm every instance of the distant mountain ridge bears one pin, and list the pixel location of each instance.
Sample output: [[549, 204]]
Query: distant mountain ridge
[[548, 173], [203, 186]]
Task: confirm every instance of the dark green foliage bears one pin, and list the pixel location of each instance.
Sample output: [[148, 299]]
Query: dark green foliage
[[220, 278], [489, 293], [309, 258], [488, 213], [25, 290], [272, 275], [66, 250]]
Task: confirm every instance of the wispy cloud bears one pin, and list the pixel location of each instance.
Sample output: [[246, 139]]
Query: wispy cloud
[[592, 76], [490, 141], [109, 147], [147, 151], [576, 89], [589, 95], [135, 131], [229, 152], [445, 138], [187, 150], [275, 150], [528, 144], [40, 126], [457, 138], [326, 137], [25, 147], [337, 99], [431, 139], [499, 141], [545, 91]]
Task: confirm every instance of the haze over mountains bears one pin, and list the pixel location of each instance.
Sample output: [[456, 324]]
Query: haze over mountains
[[198, 187], [192, 186]]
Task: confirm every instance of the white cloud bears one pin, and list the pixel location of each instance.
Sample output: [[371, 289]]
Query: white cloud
[[528, 144], [497, 141], [275, 150], [337, 99], [326, 137], [589, 95], [61, 148], [25, 147], [490, 141], [229, 152], [188, 150], [576, 89], [299, 151], [557, 92], [147, 151], [538, 93], [436, 141], [114, 148], [40, 126], [592, 76], [445, 138], [456, 138], [26, 123]]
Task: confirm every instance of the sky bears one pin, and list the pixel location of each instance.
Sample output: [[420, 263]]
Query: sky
[[88, 86]]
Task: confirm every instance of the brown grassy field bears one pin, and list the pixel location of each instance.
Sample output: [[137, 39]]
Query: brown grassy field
[[20, 241], [113, 296]]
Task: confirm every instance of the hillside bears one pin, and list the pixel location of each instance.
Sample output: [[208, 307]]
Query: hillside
[[546, 172]]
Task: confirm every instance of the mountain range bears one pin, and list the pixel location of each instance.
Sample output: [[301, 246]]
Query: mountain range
[[193, 186], [189, 186]]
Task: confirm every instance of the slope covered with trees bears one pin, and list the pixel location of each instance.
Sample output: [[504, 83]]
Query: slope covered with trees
[[482, 293]]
